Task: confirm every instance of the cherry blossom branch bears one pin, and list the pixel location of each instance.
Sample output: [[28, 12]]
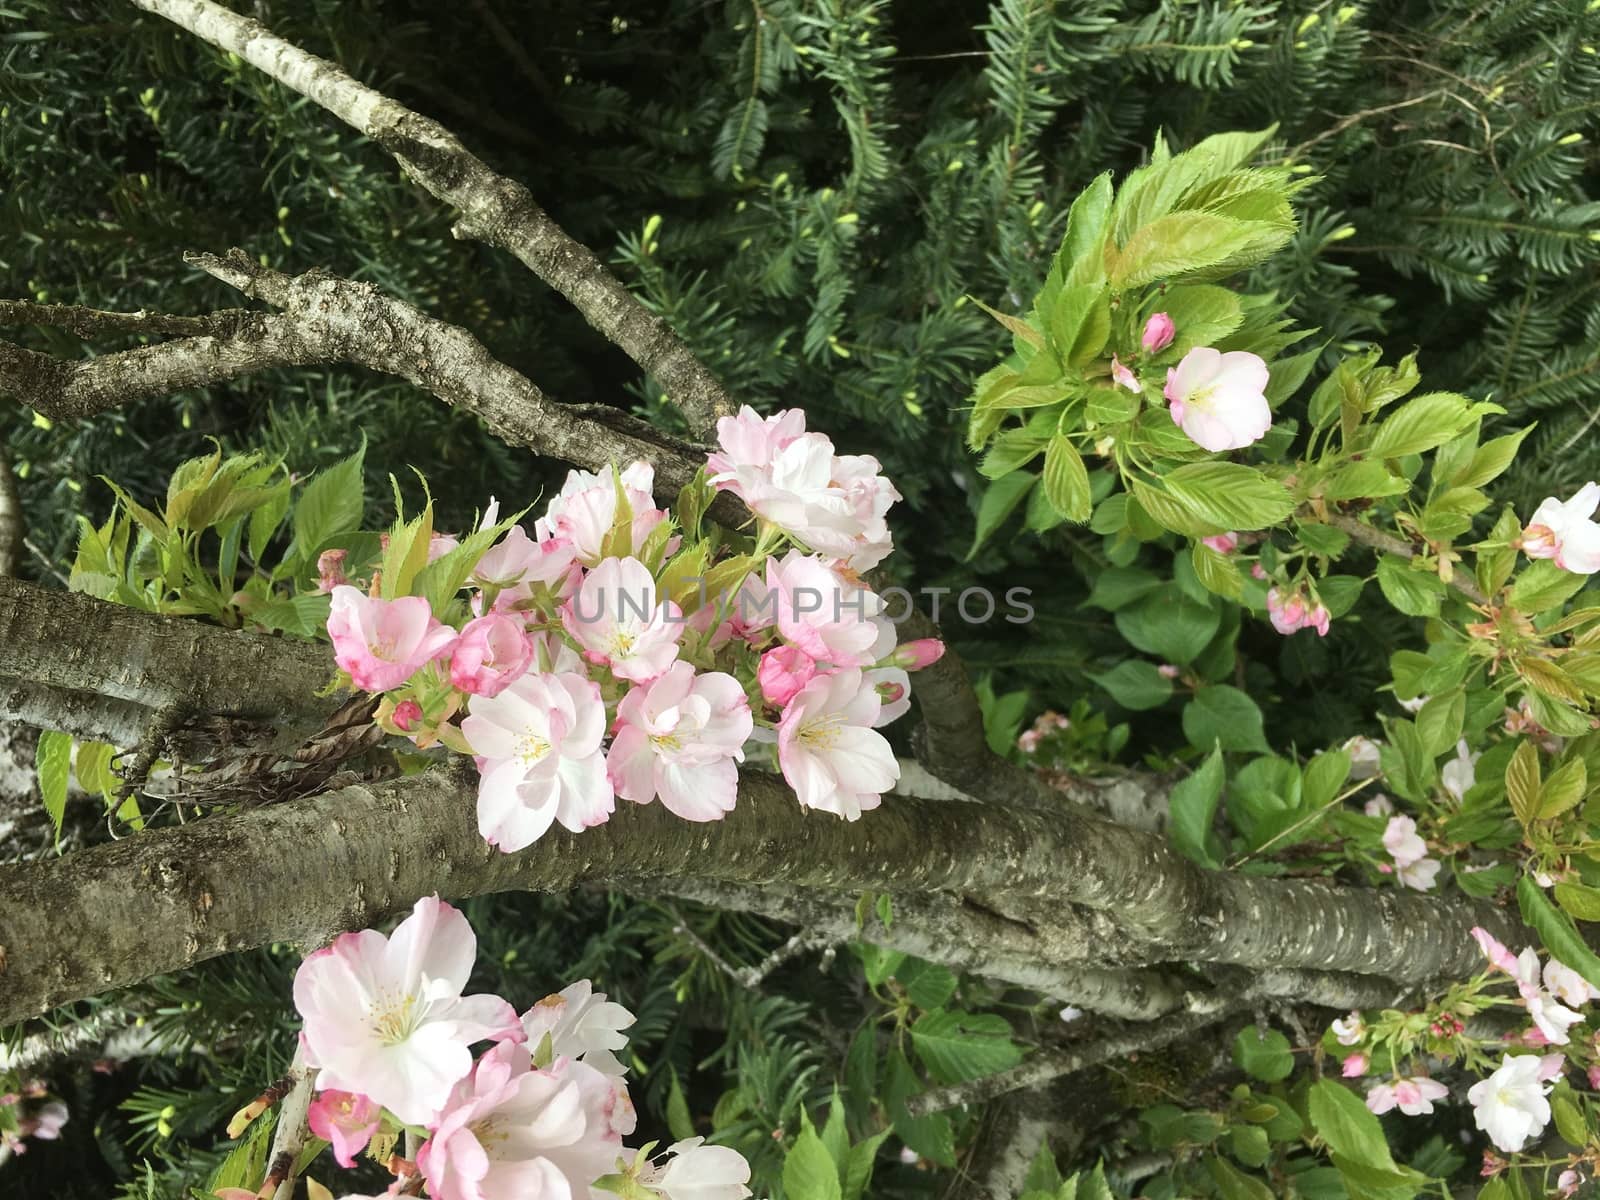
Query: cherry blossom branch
[[289, 1137], [89, 323], [493, 209], [1385, 543]]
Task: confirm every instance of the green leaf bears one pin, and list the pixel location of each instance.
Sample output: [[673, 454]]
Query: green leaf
[[1490, 460], [1170, 625], [1363, 480], [330, 505], [1192, 243], [1202, 314], [1439, 721], [1231, 495], [1569, 1120], [1341, 1120], [1066, 482], [809, 1172], [246, 1163], [1263, 1055], [957, 1046], [858, 1165], [52, 759], [679, 1123], [1556, 930], [1135, 684], [1000, 500], [1415, 593], [930, 1136], [1234, 1185], [1322, 778], [1566, 787], [1421, 424], [928, 985], [1522, 782], [1080, 258], [1582, 901], [1223, 715], [835, 1137], [1193, 805], [1118, 587], [92, 766], [1543, 585], [1169, 512], [1217, 573]]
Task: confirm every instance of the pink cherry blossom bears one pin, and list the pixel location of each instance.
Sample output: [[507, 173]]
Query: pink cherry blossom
[[915, 655], [1355, 1065], [1495, 951], [1318, 618], [1567, 985], [1158, 331], [834, 505], [518, 559], [1563, 530], [510, 1130], [539, 746], [827, 747], [696, 1171], [491, 653], [678, 738], [586, 508], [385, 1016], [1401, 840], [1420, 875], [346, 1119], [783, 671], [822, 615], [1349, 1030], [383, 643], [1218, 399], [616, 618], [1287, 613], [1222, 543], [1413, 1096], [1123, 377], [582, 1024]]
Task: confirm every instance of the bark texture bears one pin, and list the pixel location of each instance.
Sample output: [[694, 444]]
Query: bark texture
[[493, 209]]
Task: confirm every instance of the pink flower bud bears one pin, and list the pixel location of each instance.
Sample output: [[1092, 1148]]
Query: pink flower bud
[[890, 692], [1123, 377], [330, 569], [406, 715], [783, 672], [1158, 331], [1222, 543], [1257, 571], [1168, 671], [1354, 1066], [1594, 1077], [1318, 619], [493, 651], [913, 656]]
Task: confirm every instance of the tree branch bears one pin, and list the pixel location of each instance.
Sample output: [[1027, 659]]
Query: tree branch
[[93, 322], [1384, 543], [493, 209], [13, 526]]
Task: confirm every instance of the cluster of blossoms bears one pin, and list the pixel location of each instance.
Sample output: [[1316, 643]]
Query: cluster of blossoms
[[540, 1114], [18, 1124], [1412, 866], [1510, 1104], [592, 660]]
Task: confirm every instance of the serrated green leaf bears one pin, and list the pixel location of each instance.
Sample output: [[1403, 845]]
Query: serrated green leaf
[[957, 1046], [52, 760], [1263, 1055], [1231, 495], [809, 1172], [329, 505], [1135, 684], [1223, 715], [1066, 481], [1193, 805]]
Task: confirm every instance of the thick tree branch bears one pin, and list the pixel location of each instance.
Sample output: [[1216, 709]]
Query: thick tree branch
[[13, 527], [93, 322], [493, 209], [292, 872]]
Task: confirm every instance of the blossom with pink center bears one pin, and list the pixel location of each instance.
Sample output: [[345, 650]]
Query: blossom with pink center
[[508, 1130], [382, 643], [347, 1120], [1158, 331], [833, 504], [1123, 377], [538, 743], [1222, 543], [829, 751], [679, 738], [699, 1172], [1219, 399], [915, 655], [1355, 1065], [1413, 1096], [782, 672], [616, 618], [582, 1024], [385, 1017], [1564, 531], [1401, 840], [1348, 1031], [822, 615], [517, 559], [491, 653], [586, 508]]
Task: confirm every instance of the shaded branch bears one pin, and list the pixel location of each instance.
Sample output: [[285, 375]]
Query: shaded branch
[[493, 209], [13, 527], [89, 323], [1385, 543]]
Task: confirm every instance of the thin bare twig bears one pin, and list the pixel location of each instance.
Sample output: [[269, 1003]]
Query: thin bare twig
[[1385, 543], [93, 322]]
